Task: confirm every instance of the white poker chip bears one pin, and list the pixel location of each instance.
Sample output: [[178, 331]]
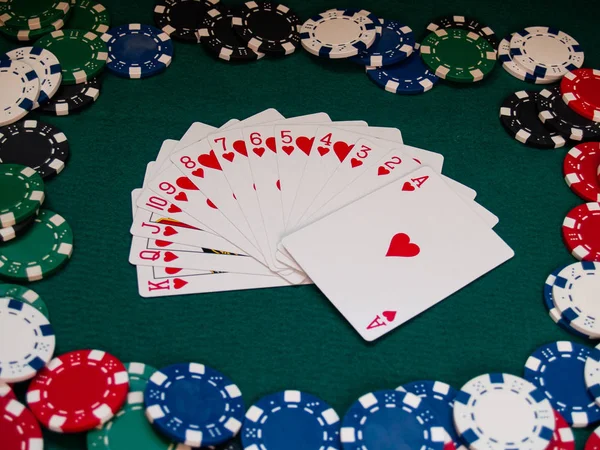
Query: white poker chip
[[19, 90], [498, 411]]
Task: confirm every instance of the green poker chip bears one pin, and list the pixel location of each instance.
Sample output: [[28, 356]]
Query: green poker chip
[[82, 53], [27, 35], [21, 193], [24, 295], [32, 14], [40, 252], [139, 374], [89, 15], [458, 55]]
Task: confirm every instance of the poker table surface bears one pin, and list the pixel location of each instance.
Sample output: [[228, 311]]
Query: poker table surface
[[292, 338]]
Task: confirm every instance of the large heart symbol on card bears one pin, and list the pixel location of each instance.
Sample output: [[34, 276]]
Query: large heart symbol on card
[[186, 183], [170, 257], [287, 149], [169, 231], [181, 197], [174, 209], [259, 151], [240, 147], [401, 246], [210, 160], [271, 144], [341, 149], [163, 244], [305, 144], [178, 283]]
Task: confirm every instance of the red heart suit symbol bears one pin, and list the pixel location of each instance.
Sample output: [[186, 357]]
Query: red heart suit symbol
[[229, 156], [178, 283], [341, 149], [305, 144], [172, 270], [355, 162], [181, 197], [259, 151], [174, 209], [169, 231], [210, 160], [401, 246], [278, 184], [160, 243], [389, 315], [170, 257], [382, 171], [322, 150], [287, 149], [408, 187], [211, 204], [186, 183], [271, 144], [240, 147], [199, 172]]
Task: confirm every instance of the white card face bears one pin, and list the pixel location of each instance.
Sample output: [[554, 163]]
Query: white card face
[[385, 258], [150, 201]]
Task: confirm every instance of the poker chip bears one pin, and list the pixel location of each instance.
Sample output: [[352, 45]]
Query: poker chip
[[592, 374], [268, 27], [593, 442], [40, 252], [139, 374], [580, 168], [21, 193], [545, 52], [24, 295], [32, 340], [395, 45], [554, 113], [410, 76], [218, 37], [125, 58], [562, 437], [72, 98], [46, 66], [580, 232], [19, 90], [213, 410], [32, 15], [181, 19], [6, 392], [391, 416], [580, 89], [338, 33], [89, 15], [78, 391], [82, 54], [26, 35], [18, 427], [556, 369], [440, 399], [458, 55], [37, 145], [519, 117], [292, 420], [496, 410], [465, 23], [515, 69], [14, 231]]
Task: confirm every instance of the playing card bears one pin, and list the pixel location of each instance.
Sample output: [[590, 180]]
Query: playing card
[[391, 255]]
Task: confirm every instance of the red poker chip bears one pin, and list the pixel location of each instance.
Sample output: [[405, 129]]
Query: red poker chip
[[562, 438], [580, 168], [18, 428], [6, 392], [580, 90], [580, 232], [593, 442], [78, 391]]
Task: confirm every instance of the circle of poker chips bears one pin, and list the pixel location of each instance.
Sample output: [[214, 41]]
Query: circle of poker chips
[[562, 437], [82, 54], [89, 15], [465, 23], [458, 55], [498, 409], [217, 35], [40, 252], [519, 117], [32, 15], [24, 295], [21, 193], [78, 391], [213, 410], [592, 374], [580, 232], [269, 28], [580, 168], [515, 69], [18, 427], [338, 33], [557, 369], [281, 419], [396, 43], [72, 98], [391, 416], [38, 145], [46, 66], [32, 340], [440, 399], [181, 19], [555, 113], [580, 89], [138, 51], [139, 374], [545, 52], [14, 231], [19, 90]]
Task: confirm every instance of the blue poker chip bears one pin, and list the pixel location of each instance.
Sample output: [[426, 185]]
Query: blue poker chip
[[291, 420], [391, 420], [395, 44], [557, 369], [410, 76], [440, 399], [137, 51], [193, 404]]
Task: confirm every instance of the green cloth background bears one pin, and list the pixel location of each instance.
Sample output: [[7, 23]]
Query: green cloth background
[[292, 338]]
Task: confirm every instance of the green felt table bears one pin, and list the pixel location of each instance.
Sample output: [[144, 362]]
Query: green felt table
[[292, 338]]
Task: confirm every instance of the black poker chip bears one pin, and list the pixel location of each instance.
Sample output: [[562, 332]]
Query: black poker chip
[[72, 98], [10, 233], [465, 23], [181, 19], [218, 37], [268, 28], [556, 114], [519, 116], [34, 144]]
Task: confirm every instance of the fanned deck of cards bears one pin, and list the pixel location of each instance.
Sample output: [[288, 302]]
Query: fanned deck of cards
[[272, 202]]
